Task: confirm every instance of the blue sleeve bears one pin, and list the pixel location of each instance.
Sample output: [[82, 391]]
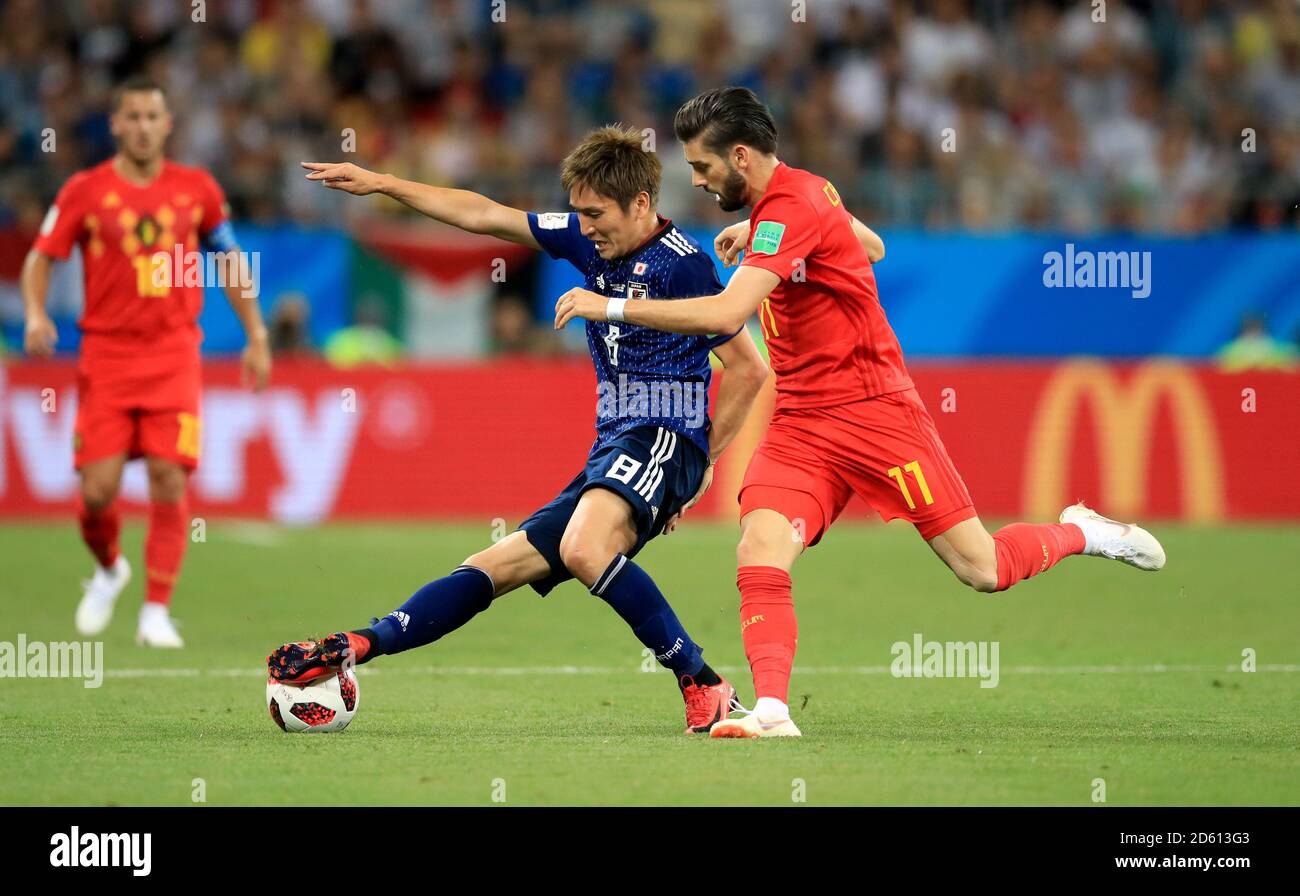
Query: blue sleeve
[[220, 238], [559, 234], [695, 275]]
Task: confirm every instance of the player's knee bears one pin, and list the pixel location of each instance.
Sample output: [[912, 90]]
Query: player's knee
[[485, 561], [166, 482], [584, 560], [762, 548], [98, 493], [982, 579]]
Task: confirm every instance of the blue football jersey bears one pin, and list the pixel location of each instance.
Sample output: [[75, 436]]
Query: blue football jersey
[[644, 376]]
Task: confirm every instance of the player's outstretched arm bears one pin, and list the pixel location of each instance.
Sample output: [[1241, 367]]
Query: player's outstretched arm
[[731, 241], [725, 312], [39, 332], [467, 210]]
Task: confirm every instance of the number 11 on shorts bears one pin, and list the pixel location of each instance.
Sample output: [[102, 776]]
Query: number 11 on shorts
[[915, 469]]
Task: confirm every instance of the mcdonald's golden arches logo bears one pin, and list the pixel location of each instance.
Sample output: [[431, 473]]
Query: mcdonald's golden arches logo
[[1125, 420]]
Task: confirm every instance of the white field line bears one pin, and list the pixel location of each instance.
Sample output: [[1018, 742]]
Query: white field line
[[729, 670], [260, 535]]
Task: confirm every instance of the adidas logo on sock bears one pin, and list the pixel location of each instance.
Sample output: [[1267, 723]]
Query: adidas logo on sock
[[402, 618]]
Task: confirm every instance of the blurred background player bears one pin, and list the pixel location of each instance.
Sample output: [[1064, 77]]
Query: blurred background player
[[848, 419], [649, 462], [138, 379]]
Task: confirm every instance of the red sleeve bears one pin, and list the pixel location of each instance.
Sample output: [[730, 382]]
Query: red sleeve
[[63, 223], [215, 209], [786, 231]]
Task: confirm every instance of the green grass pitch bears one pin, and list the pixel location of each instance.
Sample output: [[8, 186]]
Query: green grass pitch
[[1105, 672]]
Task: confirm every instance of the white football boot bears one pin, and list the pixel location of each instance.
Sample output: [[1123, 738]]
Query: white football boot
[[769, 718], [100, 593], [156, 628], [1119, 541]]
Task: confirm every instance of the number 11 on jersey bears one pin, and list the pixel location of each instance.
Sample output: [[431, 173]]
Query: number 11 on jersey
[[915, 469]]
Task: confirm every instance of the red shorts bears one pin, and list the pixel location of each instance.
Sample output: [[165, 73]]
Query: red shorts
[[152, 412], [886, 450]]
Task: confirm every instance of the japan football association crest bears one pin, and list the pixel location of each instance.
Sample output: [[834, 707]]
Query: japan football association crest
[[638, 291]]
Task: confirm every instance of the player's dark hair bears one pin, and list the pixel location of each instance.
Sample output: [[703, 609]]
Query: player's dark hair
[[135, 84], [724, 117], [613, 161]]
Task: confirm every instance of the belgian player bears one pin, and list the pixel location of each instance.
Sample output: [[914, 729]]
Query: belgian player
[[138, 374], [848, 419], [652, 458]]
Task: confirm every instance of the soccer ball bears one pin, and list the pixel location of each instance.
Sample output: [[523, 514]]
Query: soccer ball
[[325, 705]]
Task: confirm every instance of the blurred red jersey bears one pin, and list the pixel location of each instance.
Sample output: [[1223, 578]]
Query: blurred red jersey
[[120, 226], [826, 332]]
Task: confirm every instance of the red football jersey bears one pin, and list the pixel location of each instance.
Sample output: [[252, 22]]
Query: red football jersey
[[120, 226], [827, 335]]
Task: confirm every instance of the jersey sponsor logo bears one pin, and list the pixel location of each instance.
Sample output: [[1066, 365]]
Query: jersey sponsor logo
[[767, 237], [638, 291], [553, 220], [51, 217], [600, 281]]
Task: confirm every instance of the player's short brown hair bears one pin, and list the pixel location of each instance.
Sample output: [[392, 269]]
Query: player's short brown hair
[[612, 161], [135, 84], [724, 117]]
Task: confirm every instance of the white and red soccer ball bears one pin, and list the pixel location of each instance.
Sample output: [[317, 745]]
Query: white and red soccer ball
[[325, 705]]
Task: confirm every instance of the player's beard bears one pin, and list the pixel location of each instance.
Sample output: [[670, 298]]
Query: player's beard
[[140, 156], [732, 195]]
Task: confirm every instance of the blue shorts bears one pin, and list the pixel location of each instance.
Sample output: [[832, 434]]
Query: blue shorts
[[654, 469]]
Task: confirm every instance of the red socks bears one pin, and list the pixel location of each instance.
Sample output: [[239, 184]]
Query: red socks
[[99, 530], [768, 628], [1026, 549], [164, 548], [771, 633]]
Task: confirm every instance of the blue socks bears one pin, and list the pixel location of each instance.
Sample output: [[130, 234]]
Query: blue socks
[[444, 605], [634, 596], [440, 607]]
